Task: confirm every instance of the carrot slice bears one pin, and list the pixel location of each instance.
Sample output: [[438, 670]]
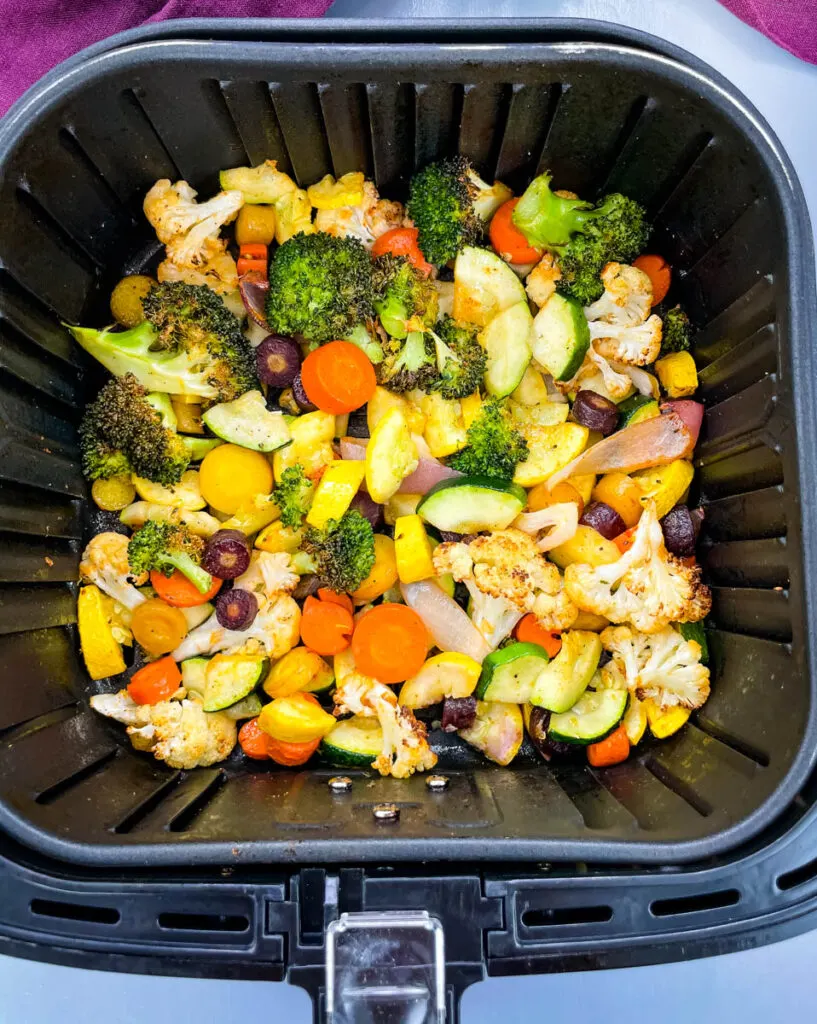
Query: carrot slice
[[402, 242], [528, 631], [155, 682], [613, 749], [291, 753], [179, 592], [325, 626], [508, 241], [657, 270], [390, 643], [338, 377], [624, 541], [253, 741], [331, 597]]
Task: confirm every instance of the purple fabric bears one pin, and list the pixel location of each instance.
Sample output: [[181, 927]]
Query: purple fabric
[[37, 34], [792, 24]]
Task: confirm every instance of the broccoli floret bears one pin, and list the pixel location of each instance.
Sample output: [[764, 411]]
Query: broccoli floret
[[584, 236], [292, 494], [445, 203], [320, 287], [189, 344], [494, 446], [677, 331], [410, 365], [362, 337], [343, 552], [165, 547], [122, 431], [460, 358], [405, 299]]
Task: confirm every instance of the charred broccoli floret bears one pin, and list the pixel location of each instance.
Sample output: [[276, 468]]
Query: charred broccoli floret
[[410, 364], [165, 547], [189, 344], [677, 331], [494, 446], [585, 236], [320, 287], [460, 358], [405, 299], [123, 431], [343, 552], [449, 204], [293, 494]]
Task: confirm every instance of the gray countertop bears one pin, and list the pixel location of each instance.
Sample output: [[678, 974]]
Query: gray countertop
[[773, 982]]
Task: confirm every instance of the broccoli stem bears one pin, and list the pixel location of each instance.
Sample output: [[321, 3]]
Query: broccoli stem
[[200, 579]]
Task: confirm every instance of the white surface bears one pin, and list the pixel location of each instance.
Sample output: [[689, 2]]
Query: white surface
[[772, 983]]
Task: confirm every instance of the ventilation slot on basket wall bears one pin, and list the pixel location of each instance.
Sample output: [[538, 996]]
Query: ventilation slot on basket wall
[[695, 904], [791, 879], [75, 912]]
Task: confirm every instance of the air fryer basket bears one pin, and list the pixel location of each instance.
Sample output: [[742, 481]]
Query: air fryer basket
[[75, 162]]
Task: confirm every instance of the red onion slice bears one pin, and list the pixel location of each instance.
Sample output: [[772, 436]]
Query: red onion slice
[[253, 287]]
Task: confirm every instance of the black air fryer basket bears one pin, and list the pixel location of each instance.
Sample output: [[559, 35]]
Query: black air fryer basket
[[104, 849]]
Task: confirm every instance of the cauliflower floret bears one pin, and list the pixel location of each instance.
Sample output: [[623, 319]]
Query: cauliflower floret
[[541, 281], [367, 221], [507, 564], [646, 586], [494, 617], [405, 742], [178, 732], [597, 374], [105, 563], [274, 631], [660, 666], [190, 231], [634, 346], [627, 297], [268, 575]]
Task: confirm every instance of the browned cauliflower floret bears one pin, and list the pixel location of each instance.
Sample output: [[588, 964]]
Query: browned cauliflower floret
[[627, 297], [190, 231], [646, 586], [540, 283], [507, 565], [660, 666], [367, 221], [405, 742], [178, 732], [105, 563], [638, 345]]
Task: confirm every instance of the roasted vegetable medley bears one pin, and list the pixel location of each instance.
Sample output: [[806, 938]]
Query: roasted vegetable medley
[[392, 470]]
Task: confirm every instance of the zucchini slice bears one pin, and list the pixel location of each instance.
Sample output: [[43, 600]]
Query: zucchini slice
[[509, 674], [353, 743], [484, 286], [193, 674], [248, 422], [250, 707], [470, 504], [230, 678], [637, 408], [561, 337], [564, 680], [507, 343], [594, 715]]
